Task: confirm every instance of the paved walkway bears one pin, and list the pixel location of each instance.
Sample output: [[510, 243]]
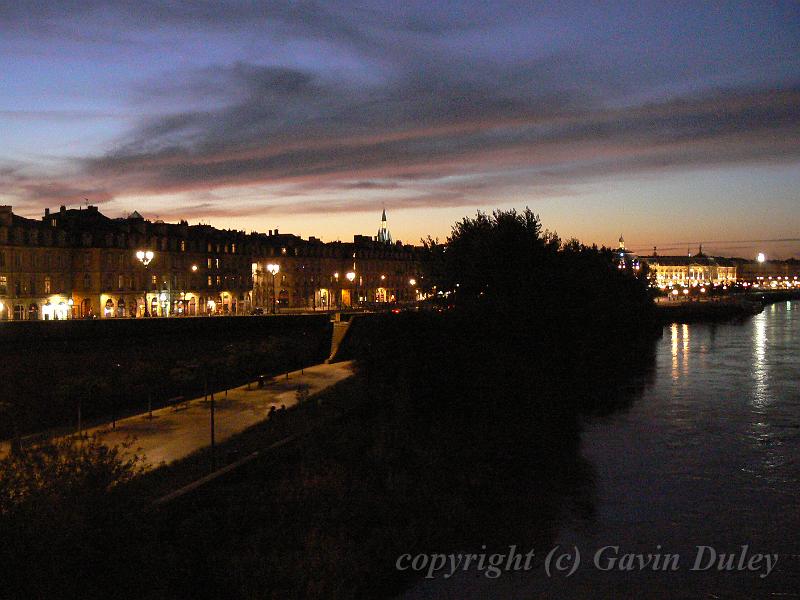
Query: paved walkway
[[171, 435]]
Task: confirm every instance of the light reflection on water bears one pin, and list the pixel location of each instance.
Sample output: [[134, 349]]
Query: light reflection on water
[[708, 455]]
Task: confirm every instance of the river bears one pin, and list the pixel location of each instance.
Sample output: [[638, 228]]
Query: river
[[706, 455]]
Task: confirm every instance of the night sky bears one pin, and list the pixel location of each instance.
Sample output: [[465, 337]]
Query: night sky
[[669, 122]]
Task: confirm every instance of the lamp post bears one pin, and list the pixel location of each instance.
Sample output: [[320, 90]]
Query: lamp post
[[351, 276], [144, 257], [337, 290], [273, 268]]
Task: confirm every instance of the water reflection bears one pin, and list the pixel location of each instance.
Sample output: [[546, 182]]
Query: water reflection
[[679, 335], [706, 455], [760, 367]]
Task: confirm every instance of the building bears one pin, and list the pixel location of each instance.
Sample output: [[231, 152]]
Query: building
[[625, 259], [384, 236], [690, 271], [774, 274], [312, 275], [79, 263]]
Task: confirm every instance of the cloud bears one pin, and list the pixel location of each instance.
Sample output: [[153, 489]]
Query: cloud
[[298, 129], [427, 104]]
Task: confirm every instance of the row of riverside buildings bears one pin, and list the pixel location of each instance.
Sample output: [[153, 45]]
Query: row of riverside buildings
[[79, 263], [693, 270]]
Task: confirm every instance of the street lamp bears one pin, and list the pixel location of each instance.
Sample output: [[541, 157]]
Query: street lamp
[[761, 257], [351, 276], [145, 257], [273, 268]]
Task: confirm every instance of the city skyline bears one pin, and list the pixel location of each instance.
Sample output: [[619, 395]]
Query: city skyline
[[668, 124]]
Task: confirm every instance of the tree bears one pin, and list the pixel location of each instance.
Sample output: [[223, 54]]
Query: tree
[[62, 504]]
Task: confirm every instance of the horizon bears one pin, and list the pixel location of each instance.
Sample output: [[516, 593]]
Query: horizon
[[693, 248], [671, 125]]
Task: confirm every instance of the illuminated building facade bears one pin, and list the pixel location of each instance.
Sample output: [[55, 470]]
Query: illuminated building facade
[[82, 264], [313, 275], [690, 271], [78, 263]]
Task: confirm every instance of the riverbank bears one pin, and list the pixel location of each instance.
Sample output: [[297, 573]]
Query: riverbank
[[707, 311], [726, 309]]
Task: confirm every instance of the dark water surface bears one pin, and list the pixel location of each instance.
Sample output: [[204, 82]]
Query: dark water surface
[[706, 455]]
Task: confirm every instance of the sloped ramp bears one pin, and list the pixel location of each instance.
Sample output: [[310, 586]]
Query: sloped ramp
[[340, 329]]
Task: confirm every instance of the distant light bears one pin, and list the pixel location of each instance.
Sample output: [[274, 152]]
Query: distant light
[[412, 281], [194, 268], [761, 257], [686, 291], [350, 276], [273, 268], [674, 292], [145, 256], [702, 289]]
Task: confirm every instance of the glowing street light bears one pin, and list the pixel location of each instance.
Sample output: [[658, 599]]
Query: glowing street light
[[145, 257], [761, 257], [351, 277], [273, 268], [412, 281]]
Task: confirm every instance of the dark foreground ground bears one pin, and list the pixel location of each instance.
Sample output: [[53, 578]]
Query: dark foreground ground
[[451, 438]]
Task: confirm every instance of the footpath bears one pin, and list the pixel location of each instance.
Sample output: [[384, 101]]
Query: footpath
[[174, 432]]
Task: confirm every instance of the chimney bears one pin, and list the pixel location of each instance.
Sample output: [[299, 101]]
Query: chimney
[[5, 215], [276, 231], [46, 212], [270, 233], [62, 209]]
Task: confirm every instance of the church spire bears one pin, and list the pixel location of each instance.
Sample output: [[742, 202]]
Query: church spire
[[383, 231]]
